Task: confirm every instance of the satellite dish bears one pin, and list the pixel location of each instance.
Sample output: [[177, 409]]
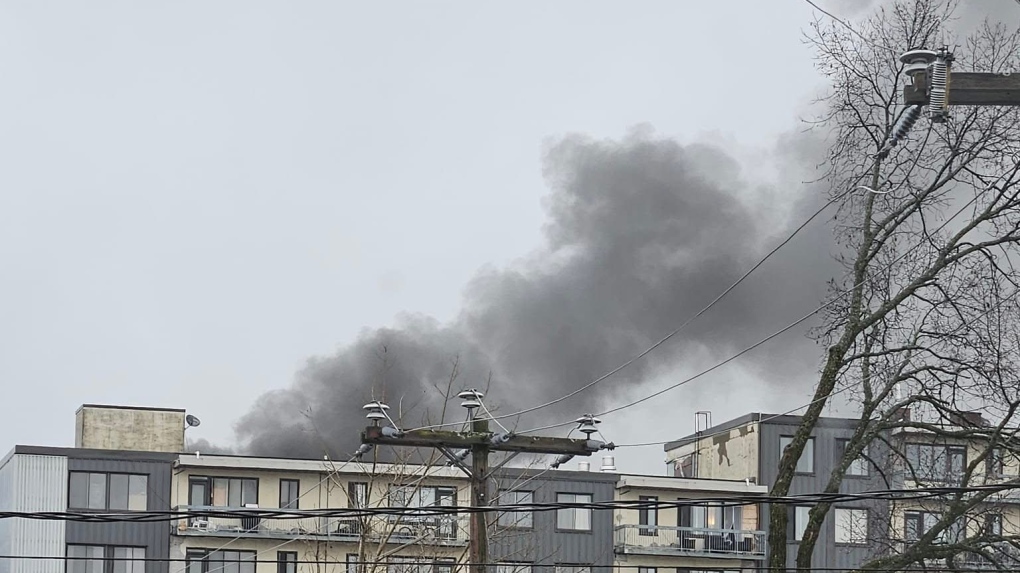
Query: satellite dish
[[191, 421]]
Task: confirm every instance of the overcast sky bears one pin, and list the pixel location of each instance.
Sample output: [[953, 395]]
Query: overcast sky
[[198, 197]]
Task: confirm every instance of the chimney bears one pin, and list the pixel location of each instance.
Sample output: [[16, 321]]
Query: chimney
[[584, 466], [608, 464]]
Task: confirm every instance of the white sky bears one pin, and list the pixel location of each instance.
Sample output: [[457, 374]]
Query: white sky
[[195, 197]]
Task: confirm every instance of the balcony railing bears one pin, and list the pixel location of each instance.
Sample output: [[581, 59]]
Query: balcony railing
[[694, 541], [438, 530]]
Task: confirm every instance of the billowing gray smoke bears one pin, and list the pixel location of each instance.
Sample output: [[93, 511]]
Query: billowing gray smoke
[[641, 234]]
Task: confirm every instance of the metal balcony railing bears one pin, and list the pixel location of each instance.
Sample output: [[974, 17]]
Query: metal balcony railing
[[666, 540], [439, 530]]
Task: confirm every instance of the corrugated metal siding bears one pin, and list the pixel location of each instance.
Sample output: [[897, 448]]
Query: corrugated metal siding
[[827, 553], [7, 469], [34, 483], [154, 537], [543, 545]]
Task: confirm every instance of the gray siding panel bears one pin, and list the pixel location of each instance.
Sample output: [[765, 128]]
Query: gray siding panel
[[827, 553], [543, 544], [33, 483], [154, 537]]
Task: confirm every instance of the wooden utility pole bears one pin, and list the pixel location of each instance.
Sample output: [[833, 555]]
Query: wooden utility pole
[[480, 441], [479, 553]]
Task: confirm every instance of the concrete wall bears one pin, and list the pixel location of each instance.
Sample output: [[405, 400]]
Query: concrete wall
[[127, 428], [727, 454]]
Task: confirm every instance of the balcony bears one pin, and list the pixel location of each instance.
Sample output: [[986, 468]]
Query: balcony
[[429, 530], [690, 541]]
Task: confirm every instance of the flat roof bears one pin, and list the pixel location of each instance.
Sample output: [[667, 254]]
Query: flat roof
[[85, 453], [120, 407], [762, 418]]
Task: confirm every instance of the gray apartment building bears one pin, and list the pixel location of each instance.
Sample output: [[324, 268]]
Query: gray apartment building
[[749, 448], [84, 478]]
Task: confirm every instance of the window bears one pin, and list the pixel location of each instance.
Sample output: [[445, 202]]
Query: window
[[648, 569], [423, 496], [917, 523], [806, 463], [995, 462], [800, 519], [415, 565], [573, 519], [711, 516], [223, 492], [993, 524], [100, 559], [352, 562], [934, 463], [357, 494], [858, 467], [851, 526], [121, 492], [573, 568], [521, 519], [218, 561], [513, 568], [286, 561], [289, 494], [648, 517]]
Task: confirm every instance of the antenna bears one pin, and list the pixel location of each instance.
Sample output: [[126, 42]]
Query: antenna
[[191, 421]]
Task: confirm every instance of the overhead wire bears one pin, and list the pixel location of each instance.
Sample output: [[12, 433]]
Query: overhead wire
[[835, 298]]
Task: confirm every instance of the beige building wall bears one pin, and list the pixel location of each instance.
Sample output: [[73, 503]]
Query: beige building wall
[[129, 428], [730, 455]]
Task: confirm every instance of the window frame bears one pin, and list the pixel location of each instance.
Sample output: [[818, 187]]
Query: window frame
[[572, 568], [836, 526], [516, 522], [862, 459], [296, 483], [284, 559], [797, 532], [812, 457], [210, 486], [648, 519], [945, 472], [353, 488], [203, 555], [574, 512], [107, 490], [989, 519], [515, 567], [109, 561]]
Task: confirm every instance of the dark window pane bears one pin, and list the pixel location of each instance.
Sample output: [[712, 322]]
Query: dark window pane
[[118, 492], [97, 491], [249, 491], [138, 487], [78, 491], [289, 494], [199, 494]]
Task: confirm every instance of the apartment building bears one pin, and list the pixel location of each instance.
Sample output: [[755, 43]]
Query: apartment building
[[750, 447], [92, 476], [689, 538]]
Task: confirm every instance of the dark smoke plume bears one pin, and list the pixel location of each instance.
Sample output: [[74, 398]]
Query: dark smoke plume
[[641, 234]]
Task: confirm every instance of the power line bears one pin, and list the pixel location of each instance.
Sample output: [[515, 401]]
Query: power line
[[436, 511], [841, 390], [436, 561], [783, 330]]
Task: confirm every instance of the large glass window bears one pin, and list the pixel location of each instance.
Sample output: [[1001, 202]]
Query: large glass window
[[857, 468], [800, 521], [935, 463], [515, 518], [120, 492], [851, 525], [223, 492], [218, 561], [513, 567], [286, 561], [573, 519], [357, 494], [806, 463], [105, 559]]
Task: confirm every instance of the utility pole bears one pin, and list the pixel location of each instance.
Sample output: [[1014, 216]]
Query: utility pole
[[479, 442], [935, 84]]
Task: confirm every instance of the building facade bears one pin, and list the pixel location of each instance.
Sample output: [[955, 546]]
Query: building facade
[[750, 447]]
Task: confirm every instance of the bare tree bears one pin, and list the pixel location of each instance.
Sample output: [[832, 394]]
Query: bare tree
[[924, 316]]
